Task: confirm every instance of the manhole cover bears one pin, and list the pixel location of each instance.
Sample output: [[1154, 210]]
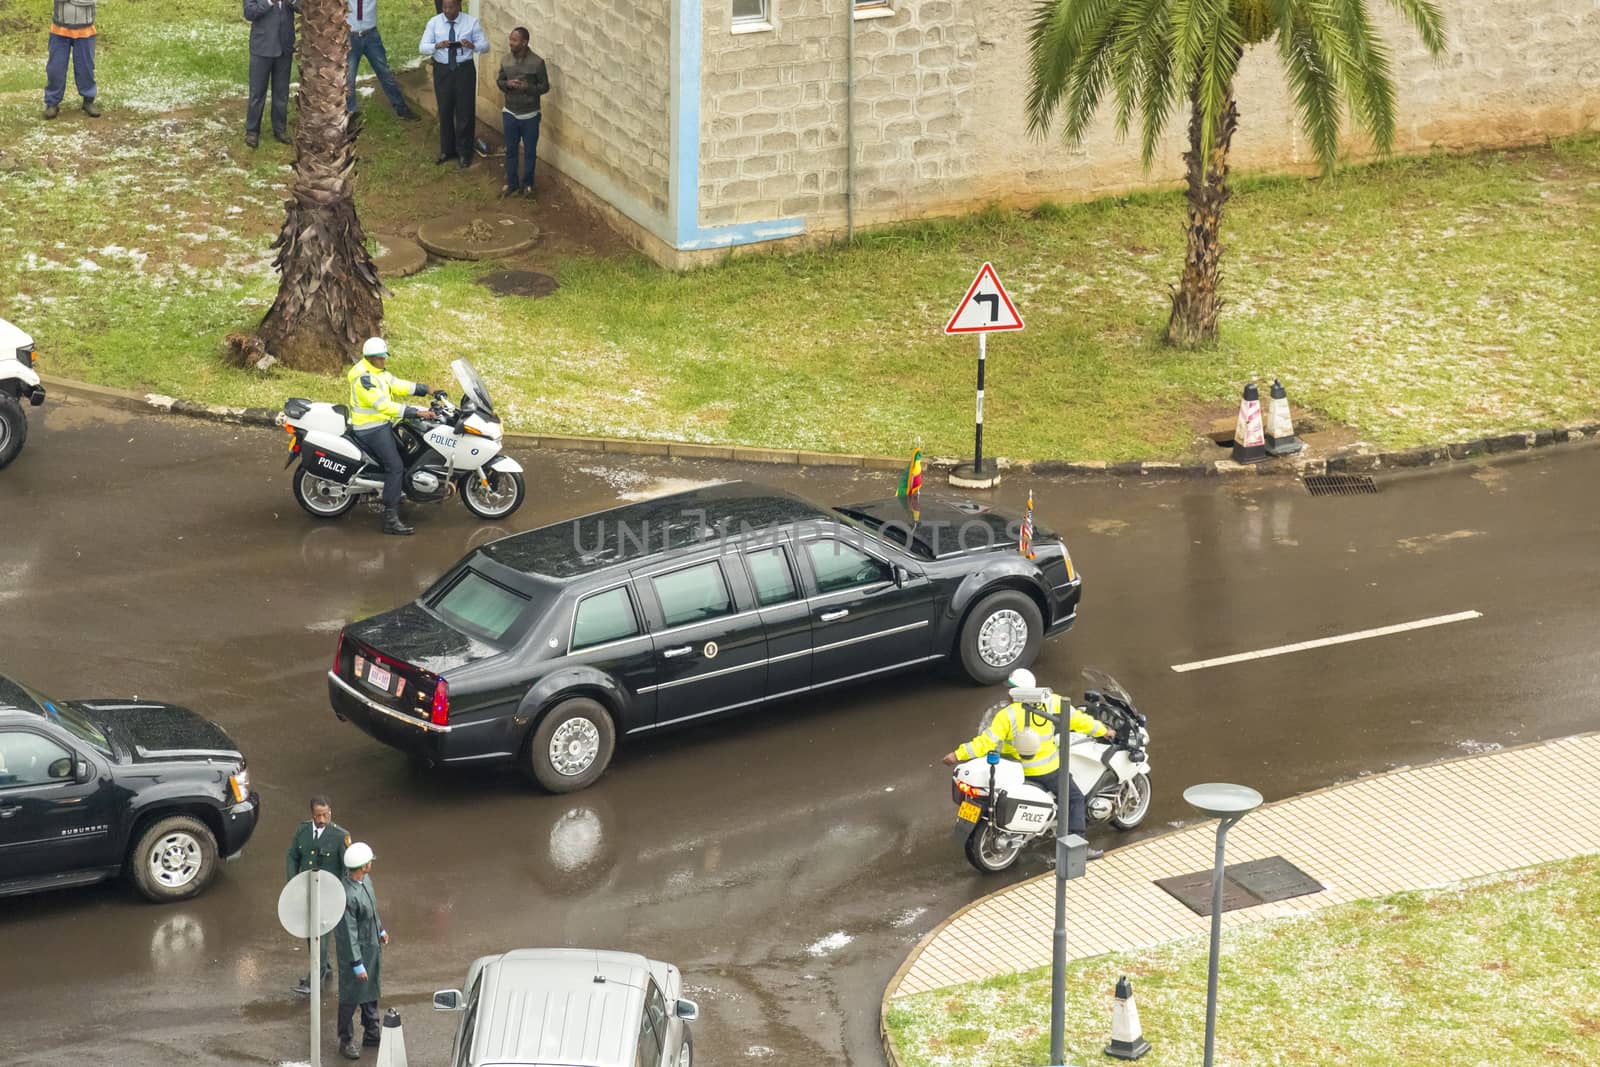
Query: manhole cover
[[518, 283], [1244, 885], [1339, 484], [396, 256], [477, 235]]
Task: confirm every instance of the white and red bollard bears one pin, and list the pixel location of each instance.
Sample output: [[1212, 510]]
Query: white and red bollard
[[392, 1043], [1249, 442], [1281, 440], [1127, 1043]]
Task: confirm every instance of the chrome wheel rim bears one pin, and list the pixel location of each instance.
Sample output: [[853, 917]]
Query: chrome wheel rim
[[574, 746], [684, 1056], [323, 495], [1133, 799], [175, 860], [1002, 637], [499, 498], [996, 848]]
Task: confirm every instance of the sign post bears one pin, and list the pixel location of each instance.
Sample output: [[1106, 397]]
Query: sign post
[[985, 309], [309, 906]]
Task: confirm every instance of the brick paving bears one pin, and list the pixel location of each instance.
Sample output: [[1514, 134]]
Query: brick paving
[[1410, 828]]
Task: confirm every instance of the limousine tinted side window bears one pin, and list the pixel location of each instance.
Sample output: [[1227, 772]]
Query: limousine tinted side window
[[604, 617], [839, 566], [771, 576], [693, 594]]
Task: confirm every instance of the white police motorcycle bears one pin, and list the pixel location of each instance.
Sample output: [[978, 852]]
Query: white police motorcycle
[[19, 381], [1000, 811], [458, 449]]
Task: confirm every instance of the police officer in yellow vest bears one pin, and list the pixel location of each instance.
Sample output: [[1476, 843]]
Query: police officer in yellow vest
[[1029, 738], [375, 407], [319, 845]]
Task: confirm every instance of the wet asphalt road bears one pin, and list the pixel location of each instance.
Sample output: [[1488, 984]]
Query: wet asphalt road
[[786, 860]]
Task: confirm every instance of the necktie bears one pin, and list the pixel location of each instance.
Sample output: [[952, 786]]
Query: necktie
[[452, 45], [316, 835], [360, 10]]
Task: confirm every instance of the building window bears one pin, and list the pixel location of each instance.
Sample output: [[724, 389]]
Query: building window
[[748, 12], [873, 9]]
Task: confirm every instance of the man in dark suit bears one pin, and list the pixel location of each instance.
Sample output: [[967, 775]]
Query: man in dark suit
[[271, 51], [318, 845]]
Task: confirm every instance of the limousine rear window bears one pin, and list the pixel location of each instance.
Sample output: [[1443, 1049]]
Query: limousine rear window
[[480, 605]]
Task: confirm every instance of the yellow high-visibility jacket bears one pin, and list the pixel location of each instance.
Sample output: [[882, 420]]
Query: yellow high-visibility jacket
[[1013, 718], [375, 395]]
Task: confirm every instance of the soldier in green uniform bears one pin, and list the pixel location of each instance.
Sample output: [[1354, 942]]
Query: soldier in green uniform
[[360, 937], [318, 844]]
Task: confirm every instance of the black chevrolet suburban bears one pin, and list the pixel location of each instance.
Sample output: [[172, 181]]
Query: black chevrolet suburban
[[545, 647], [91, 788]]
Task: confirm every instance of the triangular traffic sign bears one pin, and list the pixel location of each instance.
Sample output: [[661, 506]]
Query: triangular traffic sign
[[986, 307]]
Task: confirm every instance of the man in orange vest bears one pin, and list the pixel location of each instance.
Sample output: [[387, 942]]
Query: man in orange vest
[[72, 37]]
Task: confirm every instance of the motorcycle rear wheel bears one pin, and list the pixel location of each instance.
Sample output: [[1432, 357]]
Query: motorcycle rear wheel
[[321, 497], [991, 851], [1133, 802]]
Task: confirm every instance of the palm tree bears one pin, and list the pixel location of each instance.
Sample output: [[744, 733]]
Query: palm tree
[[329, 295], [1148, 54]]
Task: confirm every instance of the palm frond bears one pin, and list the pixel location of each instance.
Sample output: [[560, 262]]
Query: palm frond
[[1369, 81], [1222, 48], [1426, 19], [1157, 96], [1101, 19], [1316, 94], [1052, 50]]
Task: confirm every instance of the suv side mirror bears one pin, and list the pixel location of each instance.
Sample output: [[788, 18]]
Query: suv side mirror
[[447, 1000], [80, 771], [687, 1010]]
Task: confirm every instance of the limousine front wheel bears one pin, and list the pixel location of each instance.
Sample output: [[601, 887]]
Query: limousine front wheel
[[1001, 634], [572, 745]]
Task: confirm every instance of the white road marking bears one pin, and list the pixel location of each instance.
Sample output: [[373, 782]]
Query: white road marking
[[1321, 642]]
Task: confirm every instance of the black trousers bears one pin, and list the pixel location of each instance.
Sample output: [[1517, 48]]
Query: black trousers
[[379, 440], [456, 92], [262, 70], [1077, 809], [370, 1029]]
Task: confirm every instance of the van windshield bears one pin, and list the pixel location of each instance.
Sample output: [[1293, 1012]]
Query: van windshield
[[480, 605]]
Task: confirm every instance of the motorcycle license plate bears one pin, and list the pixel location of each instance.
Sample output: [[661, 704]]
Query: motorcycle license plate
[[968, 812]]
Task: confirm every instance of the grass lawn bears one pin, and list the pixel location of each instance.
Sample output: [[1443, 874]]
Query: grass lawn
[[1497, 972], [1416, 301]]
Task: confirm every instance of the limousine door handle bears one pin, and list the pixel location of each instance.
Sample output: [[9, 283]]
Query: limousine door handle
[[829, 616], [681, 650], [9, 810]]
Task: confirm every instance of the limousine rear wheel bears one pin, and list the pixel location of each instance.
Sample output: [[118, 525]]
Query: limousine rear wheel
[[1001, 634], [320, 497], [571, 746]]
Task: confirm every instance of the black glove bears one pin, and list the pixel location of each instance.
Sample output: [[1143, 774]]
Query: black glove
[[419, 390], [418, 413]]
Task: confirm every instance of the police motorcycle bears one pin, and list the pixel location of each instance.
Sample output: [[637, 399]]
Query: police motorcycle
[[457, 449], [1000, 811], [19, 381]]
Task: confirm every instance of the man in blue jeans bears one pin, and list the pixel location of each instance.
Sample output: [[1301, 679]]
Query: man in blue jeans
[[72, 37], [362, 15], [523, 79]]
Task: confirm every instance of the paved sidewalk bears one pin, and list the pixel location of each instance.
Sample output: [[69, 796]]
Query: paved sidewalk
[[1410, 828]]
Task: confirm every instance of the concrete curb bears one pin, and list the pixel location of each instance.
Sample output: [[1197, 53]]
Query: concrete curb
[[1347, 461], [891, 1052]]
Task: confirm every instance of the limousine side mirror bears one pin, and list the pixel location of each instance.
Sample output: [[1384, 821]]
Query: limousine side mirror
[[447, 1000], [901, 576], [687, 1010]]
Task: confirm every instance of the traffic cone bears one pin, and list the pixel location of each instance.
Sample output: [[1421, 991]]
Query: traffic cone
[[1127, 1043], [1281, 440], [392, 1044], [1249, 446]]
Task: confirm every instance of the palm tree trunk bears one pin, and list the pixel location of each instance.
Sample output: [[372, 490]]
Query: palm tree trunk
[[329, 295], [1195, 301]]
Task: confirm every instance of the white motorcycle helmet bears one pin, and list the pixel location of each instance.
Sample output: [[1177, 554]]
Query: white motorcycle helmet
[[375, 346], [1021, 678]]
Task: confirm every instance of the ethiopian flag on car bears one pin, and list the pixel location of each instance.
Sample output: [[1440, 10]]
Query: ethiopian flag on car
[[911, 481]]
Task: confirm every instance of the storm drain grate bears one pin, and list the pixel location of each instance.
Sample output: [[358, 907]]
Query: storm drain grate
[[1244, 885], [1339, 484]]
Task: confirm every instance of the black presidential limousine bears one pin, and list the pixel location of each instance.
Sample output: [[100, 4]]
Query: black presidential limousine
[[544, 647]]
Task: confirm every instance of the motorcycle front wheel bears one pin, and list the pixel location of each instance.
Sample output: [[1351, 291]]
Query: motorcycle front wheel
[[320, 497], [990, 850], [1133, 802], [499, 498]]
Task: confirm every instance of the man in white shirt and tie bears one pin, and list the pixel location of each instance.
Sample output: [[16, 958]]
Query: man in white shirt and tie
[[454, 38], [318, 844]]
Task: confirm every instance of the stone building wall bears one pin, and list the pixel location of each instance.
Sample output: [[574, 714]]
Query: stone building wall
[[606, 116], [940, 86]]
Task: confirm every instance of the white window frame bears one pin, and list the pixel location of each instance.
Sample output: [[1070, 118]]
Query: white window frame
[[872, 9], [751, 23]]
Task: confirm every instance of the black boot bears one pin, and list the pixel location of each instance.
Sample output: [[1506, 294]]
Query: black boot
[[393, 524]]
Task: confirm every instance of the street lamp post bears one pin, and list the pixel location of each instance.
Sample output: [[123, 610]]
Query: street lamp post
[[1227, 803]]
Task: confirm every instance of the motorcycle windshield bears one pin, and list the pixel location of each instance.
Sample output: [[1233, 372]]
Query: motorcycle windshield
[[1104, 683], [471, 385]]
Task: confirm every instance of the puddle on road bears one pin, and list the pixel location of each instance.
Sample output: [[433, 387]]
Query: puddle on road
[[1428, 542], [1106, 527]]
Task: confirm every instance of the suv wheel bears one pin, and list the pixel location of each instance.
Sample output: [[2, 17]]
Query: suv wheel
[[175, 858], [572, 745], [1001, 634]]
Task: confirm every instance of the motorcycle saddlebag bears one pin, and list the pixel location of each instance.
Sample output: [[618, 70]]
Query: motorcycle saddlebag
[[1024, 816]]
